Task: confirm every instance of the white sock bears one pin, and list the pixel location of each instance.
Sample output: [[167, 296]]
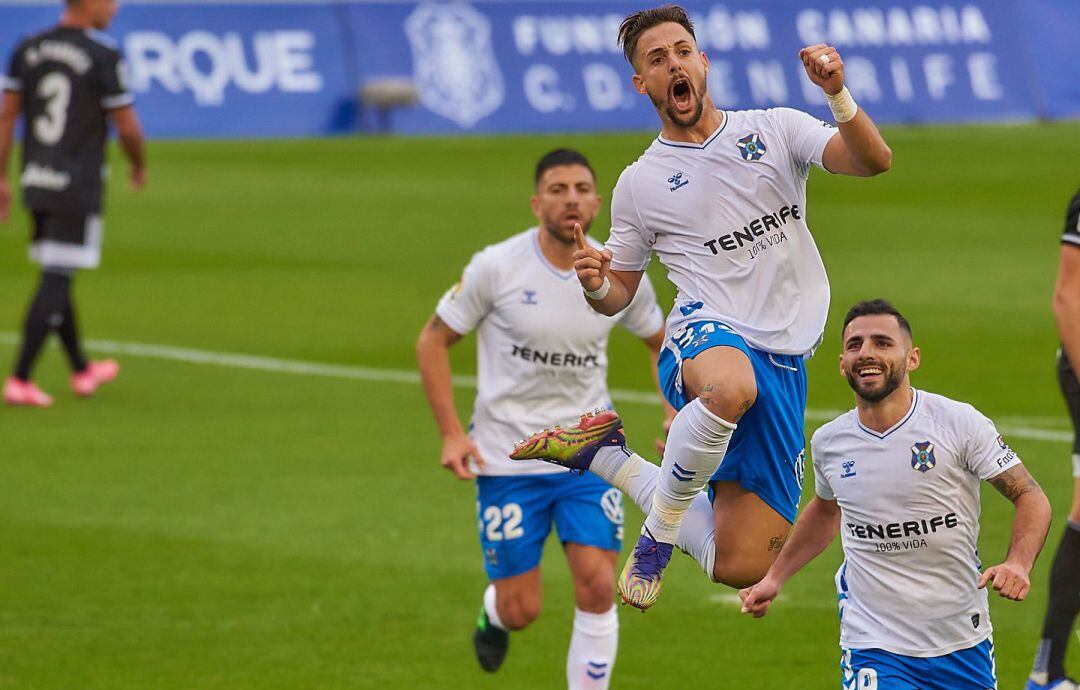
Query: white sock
[[696, 444], [592, 650], [637, 478], [489, 607]]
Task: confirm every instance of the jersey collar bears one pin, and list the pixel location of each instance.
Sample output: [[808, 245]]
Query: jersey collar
[[702, 145], [894, 427], [564, 275]]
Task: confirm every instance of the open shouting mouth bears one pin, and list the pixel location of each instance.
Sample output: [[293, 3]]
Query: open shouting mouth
[[682, 95]]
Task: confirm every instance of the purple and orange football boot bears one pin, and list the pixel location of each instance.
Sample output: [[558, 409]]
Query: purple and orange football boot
[[639, 583], [573, 448]]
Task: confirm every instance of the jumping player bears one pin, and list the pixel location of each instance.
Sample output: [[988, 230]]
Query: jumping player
[[720, 196]]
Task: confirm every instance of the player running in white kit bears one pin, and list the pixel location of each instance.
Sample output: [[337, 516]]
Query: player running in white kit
[[720, 196], [898, 478], [542, 356]]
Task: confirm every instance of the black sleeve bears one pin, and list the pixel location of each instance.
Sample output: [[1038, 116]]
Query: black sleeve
[[114, 91], [1072, 223], [15, 78]]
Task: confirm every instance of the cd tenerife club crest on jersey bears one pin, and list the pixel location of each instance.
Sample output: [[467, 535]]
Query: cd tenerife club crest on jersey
[[752, 147], [922, 456]]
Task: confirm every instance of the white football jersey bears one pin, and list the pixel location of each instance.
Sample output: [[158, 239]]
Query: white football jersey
[[541, 350], [909, 502], [728, 220]]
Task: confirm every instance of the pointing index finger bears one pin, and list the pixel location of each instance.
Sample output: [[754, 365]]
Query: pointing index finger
[[579, 237]]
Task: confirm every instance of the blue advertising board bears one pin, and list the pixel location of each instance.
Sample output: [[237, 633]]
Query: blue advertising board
[[225, 70], [260, 69], [496, 66], [1055, 52]]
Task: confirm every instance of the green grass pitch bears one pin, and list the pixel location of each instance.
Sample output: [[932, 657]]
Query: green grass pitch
[[202, 526]]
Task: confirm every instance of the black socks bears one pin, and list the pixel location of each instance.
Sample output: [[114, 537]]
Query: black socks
[[51, 309], [1063, 606]]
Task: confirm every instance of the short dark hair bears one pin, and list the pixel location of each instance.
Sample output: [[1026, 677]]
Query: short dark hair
[[872, 307], [639, 22], [561, 157]]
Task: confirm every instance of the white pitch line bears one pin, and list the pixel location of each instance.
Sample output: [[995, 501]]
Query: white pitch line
[[357, 373], [732, 599]]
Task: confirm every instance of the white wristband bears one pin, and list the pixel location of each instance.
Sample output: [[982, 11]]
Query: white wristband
[[842, 105], [600, 292]]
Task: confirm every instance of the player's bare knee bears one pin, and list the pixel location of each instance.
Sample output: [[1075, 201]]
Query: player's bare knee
[[519, 616], [729, 398], [596, 593], [521, 610]]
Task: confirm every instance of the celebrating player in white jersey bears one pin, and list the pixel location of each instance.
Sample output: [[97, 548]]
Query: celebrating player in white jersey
[[898, 478], [720, 196], [542, 356]]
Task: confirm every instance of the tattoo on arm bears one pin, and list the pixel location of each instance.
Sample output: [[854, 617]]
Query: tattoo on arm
[[777, 542], [1015, 482], [449, 335]]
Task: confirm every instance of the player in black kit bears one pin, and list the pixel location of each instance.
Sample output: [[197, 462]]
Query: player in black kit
[[1063, 604], [67, 83]]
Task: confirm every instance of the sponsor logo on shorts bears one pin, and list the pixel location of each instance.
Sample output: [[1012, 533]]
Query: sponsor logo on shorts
[[611, 504], [800, 467]]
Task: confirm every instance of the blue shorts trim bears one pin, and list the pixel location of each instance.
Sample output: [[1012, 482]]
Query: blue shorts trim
[[967, 669], [515, 515], [766, 453]]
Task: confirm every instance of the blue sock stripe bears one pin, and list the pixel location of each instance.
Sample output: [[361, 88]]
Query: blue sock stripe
[[597, 664], [596, 676], [681, 474]]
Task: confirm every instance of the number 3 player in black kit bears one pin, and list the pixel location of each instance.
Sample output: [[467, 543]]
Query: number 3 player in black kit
[[68, 84]]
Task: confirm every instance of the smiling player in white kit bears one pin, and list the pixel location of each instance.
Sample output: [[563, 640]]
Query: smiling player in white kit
[[898, 477], [720, 196]]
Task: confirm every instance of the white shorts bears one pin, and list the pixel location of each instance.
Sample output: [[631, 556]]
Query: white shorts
[[67, 240]]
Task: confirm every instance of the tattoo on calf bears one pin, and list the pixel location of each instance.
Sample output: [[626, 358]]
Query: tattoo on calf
[[777, 542]]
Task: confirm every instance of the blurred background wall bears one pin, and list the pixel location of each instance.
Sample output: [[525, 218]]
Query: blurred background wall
[[259, 69]]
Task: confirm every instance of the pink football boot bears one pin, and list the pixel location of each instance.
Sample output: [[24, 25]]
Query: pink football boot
[[84, 383], [25, 393]]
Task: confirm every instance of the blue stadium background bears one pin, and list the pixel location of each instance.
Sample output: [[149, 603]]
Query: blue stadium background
[[248, 69]]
